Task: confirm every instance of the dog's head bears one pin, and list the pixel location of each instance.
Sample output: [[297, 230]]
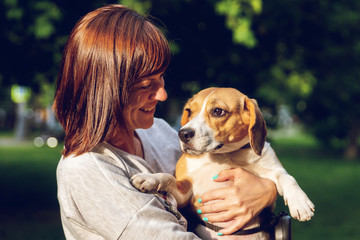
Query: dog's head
[[220, 120]]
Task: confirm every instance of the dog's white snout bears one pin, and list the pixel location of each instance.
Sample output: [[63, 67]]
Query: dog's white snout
[[186, 134]]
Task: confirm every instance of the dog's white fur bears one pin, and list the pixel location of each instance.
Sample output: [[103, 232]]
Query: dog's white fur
[[224, 120]]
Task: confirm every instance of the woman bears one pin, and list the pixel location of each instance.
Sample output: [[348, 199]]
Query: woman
[[110, 81]]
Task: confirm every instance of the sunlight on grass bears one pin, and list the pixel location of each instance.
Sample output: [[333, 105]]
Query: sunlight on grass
[[294, 135], [330, 182]]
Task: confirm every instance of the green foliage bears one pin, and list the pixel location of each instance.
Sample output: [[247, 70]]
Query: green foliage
[[48, 13], [43, 15], [308, 59], [14, 12], [301, 53], [138, 5], [30, 42], [46, 95], [20, 94], [239, 15], [287, 84]]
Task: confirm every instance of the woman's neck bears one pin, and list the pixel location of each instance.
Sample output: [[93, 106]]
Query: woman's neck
[[127, 141]]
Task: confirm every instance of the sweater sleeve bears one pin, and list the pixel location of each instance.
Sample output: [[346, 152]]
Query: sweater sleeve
[[154, 222], [97, 201]]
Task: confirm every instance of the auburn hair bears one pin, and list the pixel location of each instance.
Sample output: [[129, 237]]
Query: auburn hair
[[108, 50]]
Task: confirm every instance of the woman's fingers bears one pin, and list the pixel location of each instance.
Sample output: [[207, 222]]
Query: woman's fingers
[[219, 217], [237, 204], [221, 200], [228, 175], [230, 216], [217, 194], [238, 224]]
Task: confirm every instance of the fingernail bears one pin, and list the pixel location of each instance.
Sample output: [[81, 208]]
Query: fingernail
[[199, 211], [215, 177], [220, 234], [205, 219], [199, 200]]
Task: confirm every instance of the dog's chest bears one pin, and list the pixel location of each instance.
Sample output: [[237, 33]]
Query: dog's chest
[[202, 170]]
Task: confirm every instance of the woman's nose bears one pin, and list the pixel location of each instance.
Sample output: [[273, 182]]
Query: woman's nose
[[161, 94]]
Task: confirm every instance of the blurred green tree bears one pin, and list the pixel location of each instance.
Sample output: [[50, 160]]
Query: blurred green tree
[[310, 56], [239, 15], [303, 54], [32, 37], [28, 41]]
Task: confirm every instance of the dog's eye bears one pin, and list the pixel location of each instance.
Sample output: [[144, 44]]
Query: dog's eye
[[218, 112], [188, 111]]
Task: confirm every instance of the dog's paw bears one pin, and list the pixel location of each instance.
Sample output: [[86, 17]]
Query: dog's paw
[[145, 182], [300, 206]]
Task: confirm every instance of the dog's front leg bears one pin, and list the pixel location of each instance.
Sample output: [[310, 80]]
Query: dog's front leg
[[163, 182], [152, 183], [299, 204]]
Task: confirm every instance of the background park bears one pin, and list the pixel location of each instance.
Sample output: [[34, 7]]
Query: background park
[[299, 58]]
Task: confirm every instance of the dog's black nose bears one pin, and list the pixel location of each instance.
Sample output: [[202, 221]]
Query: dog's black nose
[[186, 134]]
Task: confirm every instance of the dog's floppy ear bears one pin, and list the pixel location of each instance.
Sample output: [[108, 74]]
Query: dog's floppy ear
[[257, 126]]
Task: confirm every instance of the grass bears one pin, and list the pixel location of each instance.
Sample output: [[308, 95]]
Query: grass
[[28, 203], [330, 182], [29, 208]]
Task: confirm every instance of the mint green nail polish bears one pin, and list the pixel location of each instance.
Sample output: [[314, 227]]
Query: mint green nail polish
[[205, 219], [199, 211], [220, 234], [199, 200], [215, 177]]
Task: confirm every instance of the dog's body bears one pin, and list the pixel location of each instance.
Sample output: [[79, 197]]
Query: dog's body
[[217, 126]]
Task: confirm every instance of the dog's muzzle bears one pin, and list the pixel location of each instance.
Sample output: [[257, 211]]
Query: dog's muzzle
[[186, 134], [207, 145]]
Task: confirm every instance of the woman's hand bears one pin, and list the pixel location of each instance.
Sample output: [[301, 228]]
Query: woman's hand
[[246, 198]]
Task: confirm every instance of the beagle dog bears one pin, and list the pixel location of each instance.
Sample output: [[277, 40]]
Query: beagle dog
[[223, 129]]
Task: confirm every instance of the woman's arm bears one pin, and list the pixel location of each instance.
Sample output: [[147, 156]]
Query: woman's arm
[[98, 201], [248, 196]]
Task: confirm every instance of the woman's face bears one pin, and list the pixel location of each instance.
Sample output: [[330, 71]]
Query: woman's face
[[139, 113]]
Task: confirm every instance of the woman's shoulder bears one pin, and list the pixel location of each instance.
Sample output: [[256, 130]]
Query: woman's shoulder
[[160, 129], [101, 170], [75, 163], [74, 169], [84, 161], [161, 123], [104, 159]]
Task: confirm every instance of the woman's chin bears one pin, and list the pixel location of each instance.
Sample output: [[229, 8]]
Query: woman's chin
[[147, 124]]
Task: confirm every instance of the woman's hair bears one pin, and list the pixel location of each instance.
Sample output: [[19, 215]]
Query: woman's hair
[[108, 50]]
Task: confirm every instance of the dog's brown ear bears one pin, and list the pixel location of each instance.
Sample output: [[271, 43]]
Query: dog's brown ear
[[257, 126]]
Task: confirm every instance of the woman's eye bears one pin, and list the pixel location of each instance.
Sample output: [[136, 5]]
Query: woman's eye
[[146, 86], [218, 112]]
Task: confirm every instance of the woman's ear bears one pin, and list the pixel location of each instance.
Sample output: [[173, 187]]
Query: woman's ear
[[257, 126]]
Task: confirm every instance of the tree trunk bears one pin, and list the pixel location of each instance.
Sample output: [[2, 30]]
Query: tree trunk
[[20, 123], [352, 149]]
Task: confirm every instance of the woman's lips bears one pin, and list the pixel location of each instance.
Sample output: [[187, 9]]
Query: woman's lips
[[148, 110]]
